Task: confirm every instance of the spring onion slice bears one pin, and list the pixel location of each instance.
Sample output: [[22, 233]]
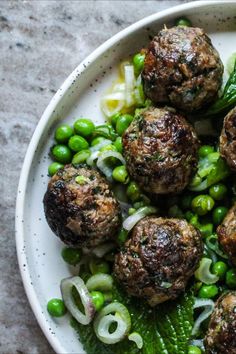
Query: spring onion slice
[[129, 223], [103, 143], [203, 272], [101, 162], [230, 63], [197, 343], [129, 85], [66, 290], [213, 244], [90, 160], [209, 307], [138, 91], [103, 249], [113, 103], [112, 313], [137, 339], [100, 281]]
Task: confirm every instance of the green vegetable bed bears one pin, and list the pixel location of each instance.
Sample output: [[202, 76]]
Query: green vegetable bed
[[166, 329]]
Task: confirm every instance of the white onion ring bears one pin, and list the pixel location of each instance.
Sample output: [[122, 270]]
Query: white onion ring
[[105, 317], [107, 171], [90, 160], [209, 307], [118, 97], [129, 223], [203, 272], [100, 281], [103, 249], [129, 85], [66, 290], [137, 339], [197, 343], [103, 143]]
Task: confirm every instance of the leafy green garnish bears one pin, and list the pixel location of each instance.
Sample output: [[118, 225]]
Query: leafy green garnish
[[211, 169], [165, 329], [228, 98], [106, 131]]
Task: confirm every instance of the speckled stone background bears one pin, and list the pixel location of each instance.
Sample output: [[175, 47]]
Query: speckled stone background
[[41, 42]]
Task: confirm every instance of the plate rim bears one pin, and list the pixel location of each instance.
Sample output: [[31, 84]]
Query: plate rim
[[35, 139]]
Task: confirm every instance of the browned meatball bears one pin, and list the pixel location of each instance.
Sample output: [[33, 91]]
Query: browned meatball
[[80, 207], [182, 68], [228, 139], [160, 149], [227, 234], [158, 259], [221, 335]]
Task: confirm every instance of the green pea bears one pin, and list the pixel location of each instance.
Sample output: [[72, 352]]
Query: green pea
[[231, 278], [131, 211], [219, 268], [218, 191], [205, 150], [96, 266], [133, 192], [71, 256], [192, 349], [81, 157], [219, 214], [208, 291], [54, 167], [186, 201], [123, 122], [188, 215], [120, 174], [194, 221], [97, 299], [175, 212], [84, 127], [97, 140], [78, 143], [183, 21], [206, 230], [138, 62], [122, 236], [63, 133], [114, 119], [56, 308], [118, 144], [202, 204], [62, 154]]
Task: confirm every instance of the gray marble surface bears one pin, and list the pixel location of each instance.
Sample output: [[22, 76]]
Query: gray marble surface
[[41, 43]]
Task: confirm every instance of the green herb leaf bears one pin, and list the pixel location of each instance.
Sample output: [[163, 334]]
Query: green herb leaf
[[228, 98], [165, 329]]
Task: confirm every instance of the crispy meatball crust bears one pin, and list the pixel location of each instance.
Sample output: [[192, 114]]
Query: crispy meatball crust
[[227, 234], [221, 335], [228, 139], [182, 68], [83, 214], [160, 149], [158, 259]]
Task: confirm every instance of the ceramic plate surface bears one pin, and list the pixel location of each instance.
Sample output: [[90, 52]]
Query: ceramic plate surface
[[40, 263]]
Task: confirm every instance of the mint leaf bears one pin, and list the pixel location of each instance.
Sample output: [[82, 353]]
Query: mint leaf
[[166, 329]]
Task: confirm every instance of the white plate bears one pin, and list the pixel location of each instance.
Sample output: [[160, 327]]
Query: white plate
[[38, 249]]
